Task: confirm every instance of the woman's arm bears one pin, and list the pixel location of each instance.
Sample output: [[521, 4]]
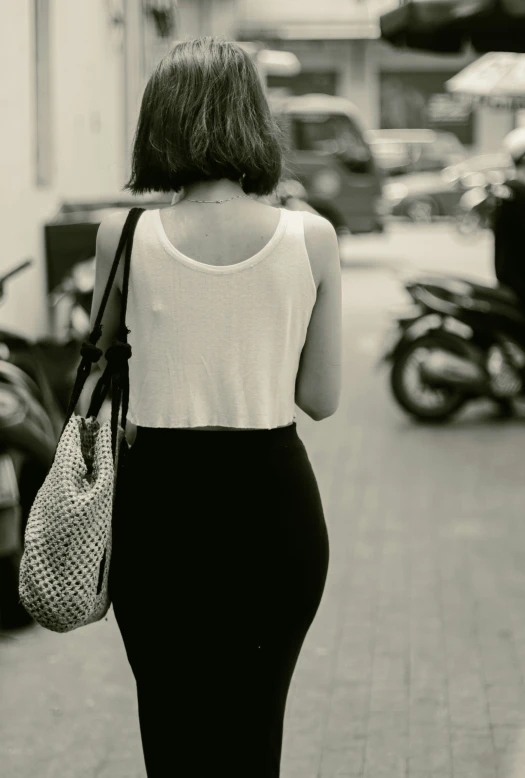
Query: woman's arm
[[319, 378], [108, 236]]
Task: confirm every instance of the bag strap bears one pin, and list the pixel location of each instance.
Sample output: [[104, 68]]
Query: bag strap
[[127, 233], [89, 350], [116, 375]]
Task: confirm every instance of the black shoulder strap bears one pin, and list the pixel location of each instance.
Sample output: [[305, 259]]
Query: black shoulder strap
[[89, 350], [125, 282], [126, 238]]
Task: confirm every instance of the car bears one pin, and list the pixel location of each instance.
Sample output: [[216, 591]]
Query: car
[[415, 151], [423, 197], [327, 152]]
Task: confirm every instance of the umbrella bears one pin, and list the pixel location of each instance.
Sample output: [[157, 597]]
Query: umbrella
[[497, 79], [417, 24], [448, 26]]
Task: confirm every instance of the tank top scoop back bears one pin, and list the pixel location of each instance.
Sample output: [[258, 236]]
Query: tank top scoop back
[[217, 345]]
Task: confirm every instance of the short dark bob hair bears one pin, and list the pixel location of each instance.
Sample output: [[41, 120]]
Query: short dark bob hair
[[204, 116]]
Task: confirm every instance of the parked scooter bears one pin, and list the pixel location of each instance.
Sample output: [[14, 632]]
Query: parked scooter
[[479, 204], [458, 340], [70, 308], [36, 380], [30, 422], [70, 303]]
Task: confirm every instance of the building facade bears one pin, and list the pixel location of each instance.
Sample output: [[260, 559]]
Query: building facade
[[339, 46]]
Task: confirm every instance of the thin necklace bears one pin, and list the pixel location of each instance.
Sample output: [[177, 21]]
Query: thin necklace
[[190, 200]]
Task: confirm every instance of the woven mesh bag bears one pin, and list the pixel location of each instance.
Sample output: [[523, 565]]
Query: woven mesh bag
[[64, 571]]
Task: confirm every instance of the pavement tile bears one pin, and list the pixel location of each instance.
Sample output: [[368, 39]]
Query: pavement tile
[[386, 746], [348, 715], [386, 699], [510, 763], [473, 754], [418, 767], [429, 747], [509, 738], [343, 762]]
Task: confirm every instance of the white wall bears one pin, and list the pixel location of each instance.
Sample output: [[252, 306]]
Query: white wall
[[87, 131], [89, 93], [22, 205], [208, 17], [358, 82]]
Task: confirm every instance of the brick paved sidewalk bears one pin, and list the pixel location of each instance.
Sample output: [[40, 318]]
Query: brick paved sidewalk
[[415, 663]]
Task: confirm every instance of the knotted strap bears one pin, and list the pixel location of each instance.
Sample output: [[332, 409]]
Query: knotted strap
[[91, 352], [116, 374], [115, 378]]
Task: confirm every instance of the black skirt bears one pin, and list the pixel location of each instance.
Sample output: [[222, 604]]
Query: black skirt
[[219, 562]]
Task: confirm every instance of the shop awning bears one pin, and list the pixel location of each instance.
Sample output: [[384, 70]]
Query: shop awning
[[497, 79], [448, 26]]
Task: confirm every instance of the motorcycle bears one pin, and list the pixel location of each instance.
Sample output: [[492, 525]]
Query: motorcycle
[[70, 303], [70, 307], [478, 205], [458, 340], [30, 423], [36, 380]]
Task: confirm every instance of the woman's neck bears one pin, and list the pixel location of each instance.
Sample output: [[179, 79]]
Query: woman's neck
[[213, 190]]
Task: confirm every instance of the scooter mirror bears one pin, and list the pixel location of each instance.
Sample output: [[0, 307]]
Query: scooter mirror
[[18, 269]]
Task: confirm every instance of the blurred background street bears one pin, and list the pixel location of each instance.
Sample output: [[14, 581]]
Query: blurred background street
[[415, 663]]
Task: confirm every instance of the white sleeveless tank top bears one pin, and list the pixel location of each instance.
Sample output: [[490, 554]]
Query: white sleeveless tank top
[[217, 345]]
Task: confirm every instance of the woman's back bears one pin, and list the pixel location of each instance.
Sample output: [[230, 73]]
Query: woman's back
[[207, 282], [223, 235], [218, 314]]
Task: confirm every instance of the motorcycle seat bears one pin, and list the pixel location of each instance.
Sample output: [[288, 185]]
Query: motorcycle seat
[[503, 294]]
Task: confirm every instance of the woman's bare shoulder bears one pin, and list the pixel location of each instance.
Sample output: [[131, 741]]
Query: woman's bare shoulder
[[112, 224], [317, 228], [110, 228], [322, 245], [108, 236]]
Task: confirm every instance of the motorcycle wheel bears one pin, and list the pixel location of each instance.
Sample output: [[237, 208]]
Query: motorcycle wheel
[[413, 394], [13, 615]]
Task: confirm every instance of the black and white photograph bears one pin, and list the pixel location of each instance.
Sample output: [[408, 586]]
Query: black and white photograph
[[262, 389]]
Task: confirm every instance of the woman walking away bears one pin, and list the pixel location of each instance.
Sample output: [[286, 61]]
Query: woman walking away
[[220, 547]]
